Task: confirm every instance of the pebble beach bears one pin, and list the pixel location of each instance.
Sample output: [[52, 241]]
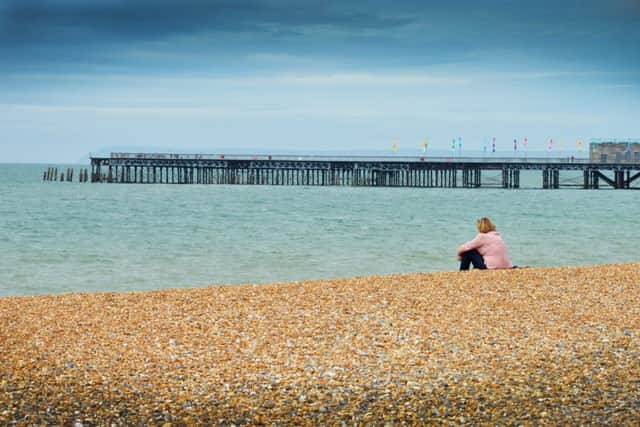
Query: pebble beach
[[533, 346]]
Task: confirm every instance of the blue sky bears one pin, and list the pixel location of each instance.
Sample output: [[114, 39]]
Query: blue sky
[[79, 77]]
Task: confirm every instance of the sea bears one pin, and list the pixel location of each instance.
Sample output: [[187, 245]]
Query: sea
[[61, 237]]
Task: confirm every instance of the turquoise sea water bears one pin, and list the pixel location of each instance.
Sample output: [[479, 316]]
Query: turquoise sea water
[[68, 237]]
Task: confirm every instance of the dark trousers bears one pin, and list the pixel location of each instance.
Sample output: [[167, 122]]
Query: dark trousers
[[472, 257]]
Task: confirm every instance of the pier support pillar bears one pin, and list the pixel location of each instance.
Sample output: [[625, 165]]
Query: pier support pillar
[[595, 179], [506, 178], [585, 181], [619, 179]]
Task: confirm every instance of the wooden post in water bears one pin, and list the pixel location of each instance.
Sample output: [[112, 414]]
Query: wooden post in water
[[547, 178], [630, 178]]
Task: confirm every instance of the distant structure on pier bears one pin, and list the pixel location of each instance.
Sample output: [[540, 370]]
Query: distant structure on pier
[[615, 151]]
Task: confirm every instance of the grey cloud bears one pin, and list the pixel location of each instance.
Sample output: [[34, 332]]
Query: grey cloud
[[62, 33], [37, 21], [31, 21], [78, 33]]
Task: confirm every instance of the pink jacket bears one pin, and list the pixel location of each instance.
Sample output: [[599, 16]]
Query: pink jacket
[[492, 248]]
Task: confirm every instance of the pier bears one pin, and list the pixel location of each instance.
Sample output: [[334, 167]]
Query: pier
[[396, 171]]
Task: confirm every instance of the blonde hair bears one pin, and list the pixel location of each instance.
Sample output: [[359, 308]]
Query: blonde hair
[[485, 225]]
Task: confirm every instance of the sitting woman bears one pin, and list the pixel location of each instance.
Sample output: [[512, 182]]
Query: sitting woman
[[486, 251]]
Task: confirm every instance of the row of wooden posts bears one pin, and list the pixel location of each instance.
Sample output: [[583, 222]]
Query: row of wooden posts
[[422, 178], [356, 176], [445, 177], [51, 174], [441, 177]]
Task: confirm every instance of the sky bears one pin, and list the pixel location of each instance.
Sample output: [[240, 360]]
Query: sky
[[83, 77]]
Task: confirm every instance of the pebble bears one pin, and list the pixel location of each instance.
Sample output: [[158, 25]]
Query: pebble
[[530, 346]]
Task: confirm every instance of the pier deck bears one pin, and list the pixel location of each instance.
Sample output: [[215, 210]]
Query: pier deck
[[396, 171]]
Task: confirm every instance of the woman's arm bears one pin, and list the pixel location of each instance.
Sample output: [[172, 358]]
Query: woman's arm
[[461, 250], [471, 244]]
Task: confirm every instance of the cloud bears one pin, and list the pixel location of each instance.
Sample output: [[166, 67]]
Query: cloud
[[618, 86], [279, 58], [196, 86], [60, 35], [366, 79], [547, 74], [32, 20]]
